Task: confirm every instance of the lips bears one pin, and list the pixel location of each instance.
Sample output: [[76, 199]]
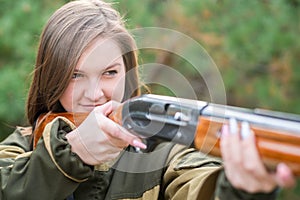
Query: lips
[[91, 105]]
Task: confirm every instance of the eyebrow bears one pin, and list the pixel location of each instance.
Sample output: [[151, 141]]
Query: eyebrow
[[77, 70], [117, 64]]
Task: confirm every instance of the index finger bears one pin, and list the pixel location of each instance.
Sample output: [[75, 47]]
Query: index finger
[[118, 132]]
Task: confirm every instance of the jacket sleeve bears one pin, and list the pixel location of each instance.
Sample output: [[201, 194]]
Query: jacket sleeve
[[193, 175], [226, 191], [50, 171]]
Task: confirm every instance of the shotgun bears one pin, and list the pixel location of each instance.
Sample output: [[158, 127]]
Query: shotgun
[[197, 124]]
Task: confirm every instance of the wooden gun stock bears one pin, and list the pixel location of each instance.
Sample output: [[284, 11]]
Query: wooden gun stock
[[274, 146], [75, 118]]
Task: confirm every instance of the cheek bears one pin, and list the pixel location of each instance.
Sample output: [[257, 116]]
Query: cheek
[[117, 89], [67, 98]]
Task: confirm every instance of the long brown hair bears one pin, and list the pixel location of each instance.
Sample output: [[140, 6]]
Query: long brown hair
[[65, 37]]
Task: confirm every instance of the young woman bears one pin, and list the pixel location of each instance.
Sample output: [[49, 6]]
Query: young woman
[[87, 62]]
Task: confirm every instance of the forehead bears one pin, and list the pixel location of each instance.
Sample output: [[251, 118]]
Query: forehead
[[102, 52]]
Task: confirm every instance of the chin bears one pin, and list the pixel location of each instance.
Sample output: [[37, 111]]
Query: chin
[[85, 110]]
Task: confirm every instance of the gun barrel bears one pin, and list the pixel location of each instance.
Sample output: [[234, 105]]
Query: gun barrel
[[265, 119]]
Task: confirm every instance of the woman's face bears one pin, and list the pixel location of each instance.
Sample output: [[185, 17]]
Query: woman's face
[[99, 77]]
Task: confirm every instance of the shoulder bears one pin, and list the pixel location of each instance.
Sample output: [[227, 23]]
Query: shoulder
[[24, 131], [21, 137]]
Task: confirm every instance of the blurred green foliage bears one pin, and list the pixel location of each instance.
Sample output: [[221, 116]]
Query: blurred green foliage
[[254, 44], [21, 23]]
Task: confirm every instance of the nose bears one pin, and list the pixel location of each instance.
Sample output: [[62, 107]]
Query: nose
[[94, 91]]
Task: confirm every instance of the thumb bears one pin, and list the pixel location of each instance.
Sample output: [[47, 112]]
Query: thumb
[[284, 176]]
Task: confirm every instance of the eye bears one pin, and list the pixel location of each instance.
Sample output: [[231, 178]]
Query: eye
[[110, 73], [76, 75]]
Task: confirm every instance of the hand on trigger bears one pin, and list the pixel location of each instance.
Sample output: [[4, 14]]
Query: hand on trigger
[[99, 139]]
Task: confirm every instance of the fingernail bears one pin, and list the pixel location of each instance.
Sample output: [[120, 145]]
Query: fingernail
[[245, 130], [139, 144], [233, 128]]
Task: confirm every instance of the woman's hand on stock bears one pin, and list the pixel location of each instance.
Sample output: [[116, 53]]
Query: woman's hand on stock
[[99, 139], [243, 165]]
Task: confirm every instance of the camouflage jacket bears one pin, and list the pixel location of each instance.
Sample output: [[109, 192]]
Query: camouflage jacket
[[51, 171]]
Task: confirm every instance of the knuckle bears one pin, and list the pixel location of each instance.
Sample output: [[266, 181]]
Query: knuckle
[[250, 167], [237, 183], [116, 132], [251, 188], [268, 187]]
